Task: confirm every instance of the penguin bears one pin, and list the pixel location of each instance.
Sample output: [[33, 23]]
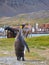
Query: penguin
[[20, 45]]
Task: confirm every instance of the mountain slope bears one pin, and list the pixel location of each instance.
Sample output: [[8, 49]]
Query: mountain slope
[[5, 10], [14, 7]]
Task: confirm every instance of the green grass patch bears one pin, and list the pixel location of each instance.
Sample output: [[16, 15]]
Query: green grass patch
[[34, 42], [6, 44], [41, 42]]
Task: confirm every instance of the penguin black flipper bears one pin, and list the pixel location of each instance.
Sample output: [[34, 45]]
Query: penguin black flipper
[[24, 43]]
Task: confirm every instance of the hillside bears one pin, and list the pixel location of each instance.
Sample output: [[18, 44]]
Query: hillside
[[32, 18], [14, 7]]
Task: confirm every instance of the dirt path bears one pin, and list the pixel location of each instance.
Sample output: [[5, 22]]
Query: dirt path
[[10, 59], [13, 61]]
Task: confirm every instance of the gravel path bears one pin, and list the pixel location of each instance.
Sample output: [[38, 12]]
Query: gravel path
[[13, 61]]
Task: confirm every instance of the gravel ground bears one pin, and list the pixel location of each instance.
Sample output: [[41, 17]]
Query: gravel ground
[[13, 61]]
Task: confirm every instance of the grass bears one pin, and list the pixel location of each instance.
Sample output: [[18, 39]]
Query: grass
[[7, 44], [34, 55], [40, 43], [34, 42]]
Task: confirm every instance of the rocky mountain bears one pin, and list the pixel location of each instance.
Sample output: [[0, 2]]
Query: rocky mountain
[[13, 7]]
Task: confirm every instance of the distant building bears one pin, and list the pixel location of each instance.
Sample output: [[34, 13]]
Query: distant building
[[44, 27]]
